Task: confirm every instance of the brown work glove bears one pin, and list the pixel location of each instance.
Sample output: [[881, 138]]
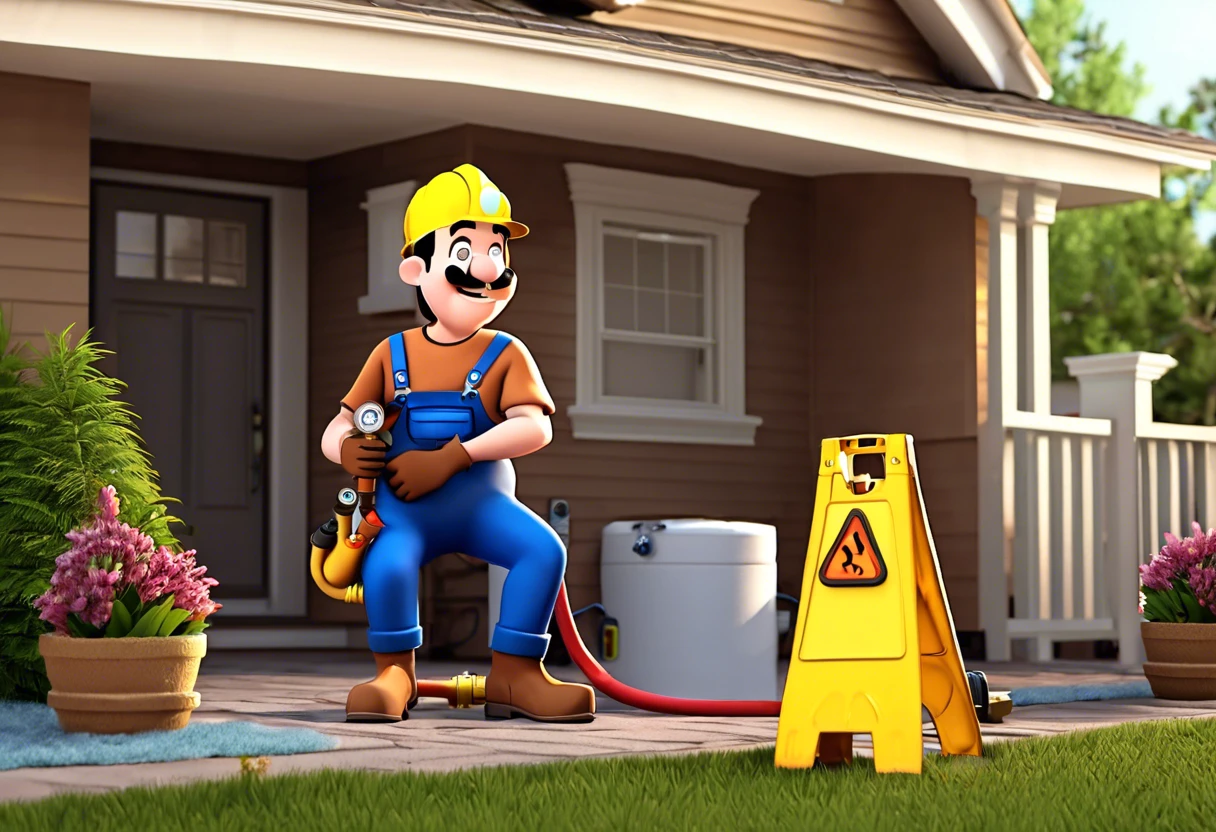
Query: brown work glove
[[362, 457], [416, 473]]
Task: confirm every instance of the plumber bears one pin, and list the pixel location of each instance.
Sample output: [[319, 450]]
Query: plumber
[[463, 401]]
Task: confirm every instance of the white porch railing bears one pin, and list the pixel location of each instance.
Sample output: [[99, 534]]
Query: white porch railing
[[1086, 501], [1177, 480], [1055, 515]]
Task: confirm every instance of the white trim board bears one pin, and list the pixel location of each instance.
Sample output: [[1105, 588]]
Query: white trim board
[[537, 70], [287, 384], [981, 43]]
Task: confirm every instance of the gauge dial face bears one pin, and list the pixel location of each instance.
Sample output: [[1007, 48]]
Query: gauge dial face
[[369, 417]]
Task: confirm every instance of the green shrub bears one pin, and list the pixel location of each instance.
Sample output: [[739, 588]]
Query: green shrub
[[63, 436]]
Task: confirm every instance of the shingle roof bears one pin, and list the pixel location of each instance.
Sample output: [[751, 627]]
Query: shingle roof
[[564, 18]]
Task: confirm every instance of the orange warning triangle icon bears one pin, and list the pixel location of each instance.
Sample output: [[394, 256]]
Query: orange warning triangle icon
[[854, 559]]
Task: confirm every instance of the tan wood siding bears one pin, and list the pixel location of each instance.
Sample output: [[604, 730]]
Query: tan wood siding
[[604, 481], [44, 205], [868, 34], [203, 164], [894, 340]]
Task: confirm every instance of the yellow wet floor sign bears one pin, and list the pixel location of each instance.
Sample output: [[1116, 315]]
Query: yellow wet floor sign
[[875, 638]]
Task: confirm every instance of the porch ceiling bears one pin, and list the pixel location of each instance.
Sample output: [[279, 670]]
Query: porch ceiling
[[282, 80], [303, 114]]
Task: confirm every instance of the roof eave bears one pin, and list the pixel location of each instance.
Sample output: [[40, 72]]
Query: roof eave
[[981, 43]]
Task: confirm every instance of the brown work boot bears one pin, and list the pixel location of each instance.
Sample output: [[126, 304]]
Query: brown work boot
[[519, 686], [388, 697]]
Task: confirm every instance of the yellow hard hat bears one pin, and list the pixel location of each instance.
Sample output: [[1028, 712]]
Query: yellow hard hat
[[461, 194]]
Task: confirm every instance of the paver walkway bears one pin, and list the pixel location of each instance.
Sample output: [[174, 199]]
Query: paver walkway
[[310, 689]]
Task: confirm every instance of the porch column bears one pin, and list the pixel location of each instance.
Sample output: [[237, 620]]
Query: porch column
[[1036, 213], [1034, 583], [997, 202], [1119, 387]]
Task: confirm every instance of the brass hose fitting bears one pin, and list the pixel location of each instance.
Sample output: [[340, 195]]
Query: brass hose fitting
[[463, 691]]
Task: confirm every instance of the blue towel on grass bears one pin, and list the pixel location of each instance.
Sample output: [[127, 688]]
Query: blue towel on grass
[[1057, 694], [30, 736]]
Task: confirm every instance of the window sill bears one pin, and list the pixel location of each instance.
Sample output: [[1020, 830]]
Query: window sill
[[629, 423]]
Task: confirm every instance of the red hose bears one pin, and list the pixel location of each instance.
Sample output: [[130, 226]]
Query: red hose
[[635, 698]]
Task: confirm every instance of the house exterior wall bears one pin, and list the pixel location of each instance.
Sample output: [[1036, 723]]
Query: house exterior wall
[[44, 206], [603, 481], [910, 241], [901, 250], [868, 34]]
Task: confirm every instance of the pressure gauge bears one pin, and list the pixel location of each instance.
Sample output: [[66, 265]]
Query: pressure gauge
[[369, 417], [348, 497]]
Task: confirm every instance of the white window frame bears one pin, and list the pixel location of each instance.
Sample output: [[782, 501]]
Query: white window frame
[[386, 292], [611, 196]]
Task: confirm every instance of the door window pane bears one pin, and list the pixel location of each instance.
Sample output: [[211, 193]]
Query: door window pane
[[135, 237], [226, 253], [183, 249], [655, 371]]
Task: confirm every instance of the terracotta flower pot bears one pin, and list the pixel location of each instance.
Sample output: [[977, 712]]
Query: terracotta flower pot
[[122, 685], [1181, 659]]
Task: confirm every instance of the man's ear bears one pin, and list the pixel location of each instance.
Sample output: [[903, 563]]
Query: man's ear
[[411, 270]]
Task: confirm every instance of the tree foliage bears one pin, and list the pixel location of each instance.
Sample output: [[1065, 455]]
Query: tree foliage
[[63, 436], [1132, 276]]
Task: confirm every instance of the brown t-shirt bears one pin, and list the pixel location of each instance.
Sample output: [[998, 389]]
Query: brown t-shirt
[[511, 380]]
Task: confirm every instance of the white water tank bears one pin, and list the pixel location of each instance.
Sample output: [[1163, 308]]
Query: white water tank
[[698, 612]]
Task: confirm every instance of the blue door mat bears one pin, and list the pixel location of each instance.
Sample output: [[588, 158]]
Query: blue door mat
[[1058, 694], [30, 736]]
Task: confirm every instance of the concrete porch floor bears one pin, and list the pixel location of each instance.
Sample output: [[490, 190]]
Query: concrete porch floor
[[309, 689]]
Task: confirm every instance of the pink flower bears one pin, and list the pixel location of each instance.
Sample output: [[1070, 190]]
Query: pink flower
[[106, 557], [176, 574], [1203, 584], [1190, 561]]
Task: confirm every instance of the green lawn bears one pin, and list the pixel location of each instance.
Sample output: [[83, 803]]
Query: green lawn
[[1159, 775]]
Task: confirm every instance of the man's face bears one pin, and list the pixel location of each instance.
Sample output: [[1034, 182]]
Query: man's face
[[468, 282]]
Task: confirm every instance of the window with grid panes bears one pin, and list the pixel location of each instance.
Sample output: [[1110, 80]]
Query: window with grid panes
[[660, 308]]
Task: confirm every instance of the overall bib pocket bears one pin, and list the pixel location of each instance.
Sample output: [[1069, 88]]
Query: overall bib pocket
[[439, 423]]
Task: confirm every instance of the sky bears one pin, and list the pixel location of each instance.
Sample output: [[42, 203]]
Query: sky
[[1174, 41], [1172, 38]]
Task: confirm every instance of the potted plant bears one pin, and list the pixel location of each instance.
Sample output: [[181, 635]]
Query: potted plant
[[64, 434], [1178, 601], [129, 619]]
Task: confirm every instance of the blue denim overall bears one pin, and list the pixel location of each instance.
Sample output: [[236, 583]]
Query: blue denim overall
[[475, 512]]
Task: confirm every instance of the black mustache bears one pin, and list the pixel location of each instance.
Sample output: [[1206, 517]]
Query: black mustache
[[459, 277]]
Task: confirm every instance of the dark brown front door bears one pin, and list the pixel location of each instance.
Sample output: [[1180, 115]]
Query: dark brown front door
[[178, 293]]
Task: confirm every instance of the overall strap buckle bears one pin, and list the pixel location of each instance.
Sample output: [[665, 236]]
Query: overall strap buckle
[[470, 385], [498, 344], [401, 372]]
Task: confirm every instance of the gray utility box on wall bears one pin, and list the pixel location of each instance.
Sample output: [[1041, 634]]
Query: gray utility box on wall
[[696, 604]]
